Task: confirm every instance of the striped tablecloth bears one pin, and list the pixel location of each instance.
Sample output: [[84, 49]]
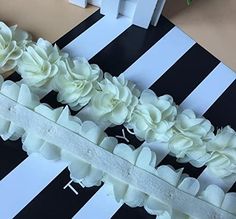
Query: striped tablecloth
[[162, 58]]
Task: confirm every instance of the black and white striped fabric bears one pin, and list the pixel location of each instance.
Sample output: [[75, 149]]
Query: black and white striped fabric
[[162, 58]]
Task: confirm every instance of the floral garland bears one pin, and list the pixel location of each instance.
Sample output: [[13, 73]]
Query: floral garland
[[55, 134], [116, 101]]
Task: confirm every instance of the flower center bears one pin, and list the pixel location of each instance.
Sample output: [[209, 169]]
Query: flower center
[[114, 102]]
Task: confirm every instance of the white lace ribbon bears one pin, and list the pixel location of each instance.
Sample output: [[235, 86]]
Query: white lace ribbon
[[22, 95], [162, 191]]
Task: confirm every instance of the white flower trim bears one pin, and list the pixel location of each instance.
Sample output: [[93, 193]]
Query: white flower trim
[[39, 63], [12, 43], [77, 82], [161, 191], [191, 133], [222, 149], [116, 101], [153, 118], [80, 171]]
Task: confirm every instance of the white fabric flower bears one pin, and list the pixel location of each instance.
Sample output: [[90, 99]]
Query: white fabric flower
[[115, 100], [77, 82], [153, 118], [12, 42], [39, 63], [188, 141], [223, 152]]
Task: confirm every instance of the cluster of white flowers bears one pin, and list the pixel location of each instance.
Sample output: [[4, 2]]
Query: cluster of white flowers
[[222, 148], [77, 82], [191, 133], [194, 141], [39, 63], [153, 117], [13, 41], [116, 101]]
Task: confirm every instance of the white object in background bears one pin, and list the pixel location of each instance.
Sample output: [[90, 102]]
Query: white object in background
[[110, 8], [84, 3], [81, 3], [95, 2], [157, 13], [144, 12], [127, 8], [141, 12]]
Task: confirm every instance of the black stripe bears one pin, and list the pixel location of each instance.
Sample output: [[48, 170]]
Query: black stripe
[[11, 155], [56, 202], [233, 188], [186, 74], [14, 77], [117, 131], [138, 213], [51, 99], [129, 46], [76, 31], [222, 112]]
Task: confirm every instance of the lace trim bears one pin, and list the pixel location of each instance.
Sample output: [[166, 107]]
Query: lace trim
[[56, 134]]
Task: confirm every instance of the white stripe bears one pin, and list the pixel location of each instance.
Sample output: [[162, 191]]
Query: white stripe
[[86, 45], [157, 60], [210, 89], [103, 200], [94, 39], [152, 65], [27, 180]]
